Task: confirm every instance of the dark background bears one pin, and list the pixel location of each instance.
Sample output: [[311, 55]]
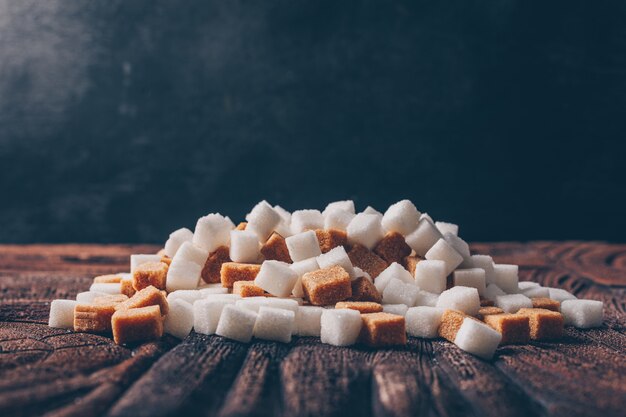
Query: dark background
[[121, 121]]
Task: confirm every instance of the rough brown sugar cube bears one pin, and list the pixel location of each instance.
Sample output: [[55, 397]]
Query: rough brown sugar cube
[[232, 272], [93, 318], [166, 260], [127, 287], [248, 289], [331, 238], [367, 260], [410, 263], [393, 248], [211, 272], [361, 306], [544, 324], [489, 310], [241, 226], [107, 279], [137, 324], [326, 286], [486, 303], [383, 329], [514, 328], [149, 296], [364, 290], [546, 303], [451, 321], [275, 249], [150, 274], [110, 299]]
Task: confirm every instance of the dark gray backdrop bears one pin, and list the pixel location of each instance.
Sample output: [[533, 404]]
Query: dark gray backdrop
[[123, 120]]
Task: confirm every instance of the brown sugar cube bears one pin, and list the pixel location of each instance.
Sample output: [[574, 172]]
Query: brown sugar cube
[[451, 322], [107, 279], [544, 324], [367, 260], [149, 296], [232, 272], [93, 318], [166, 260], [137, 324], [110, 299], [410, 262], [213, 265], [489, 310], [326, 286], [247, 289], [486, 303], [241, 226], [331, 238], [382, 329], [392, 248], [127, 287], [150, 273], [361, 306], [514, 328], [364, 290], [275, 249], [546, 303]]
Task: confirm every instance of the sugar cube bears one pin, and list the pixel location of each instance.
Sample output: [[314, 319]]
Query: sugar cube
[[365, 229], [492, 291], [425, 298], [410, 263], [232, 272], [183, 275], [137, 324], [399, 292], [560, 295], [363, 289], [87, 297], [506, 277], [460, 246], [514, 328], [303, 246], [190, 296], [450, 323], [477, 338], [330, 239], [189, 252], [336, 256], [360, 306], [392, 248], [423, 237], [423, 321], [398, 309], [485, 262], [62, 313], [308, 320], [337, 218], [447, 228], [327, 286], [464, 299], [111, 288], [444, 252], [206, 291], [277, 278], [340, 327], [136, 260], [524, 285], [206, 314], [301, 268], [176, 239], [382, 329], [93, 318], [284, 227], [372, 210], [347, 205], [303, 220], [583, 314], [473, 277], [212, 231], [546, 303], [544, 324], [367, 260], [107, 279], [274, 324], [247, 289], [511, 303], [179, 319], [244, 246], [150, 273], [431, 276], [395, 270], [536, 292], [212, 270], [284, 303], [236, 323], [401, 217], [275, 249], [263, 220], [146, 297]]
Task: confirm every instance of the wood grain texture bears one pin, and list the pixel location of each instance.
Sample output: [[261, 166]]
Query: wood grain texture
[[53, 372]]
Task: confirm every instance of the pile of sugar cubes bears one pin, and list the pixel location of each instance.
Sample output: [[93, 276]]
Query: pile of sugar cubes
[[343, 276]]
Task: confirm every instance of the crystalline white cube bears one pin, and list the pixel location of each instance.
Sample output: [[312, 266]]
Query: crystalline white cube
[[303, 220], [447, 228], [507, 277], [212, 231], [236, 323], [473, 277], [465, 299], [190, 296], [308, 320], [340, 327], [138, 259], [477, 338], [347, 205], [492, 291], [442, 251], [206, 314], [176, 239], [431, 276], [62, 314], [301, 268], [583, 314], [397, 309], [107, 288], [87, 297], [401, 217], [423, 237], [395, 270], [423, 321], [372, 210], [291, 304], [560, 295], [204, 292], [179, 319], [485, 262], [252, 303], [365, 229], [427, 217], [191, 253], [274, 324], [182, 275], [277, 278], [511, 303], [461, 247], [336, 218], [263, 220], [336, 256], [399, 292], [284, 214], [536, 292], [524, 285], [303, 246], [244, 246], [425, 298], [284, 227]]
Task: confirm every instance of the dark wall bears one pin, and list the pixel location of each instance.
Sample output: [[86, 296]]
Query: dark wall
[[123, 120]]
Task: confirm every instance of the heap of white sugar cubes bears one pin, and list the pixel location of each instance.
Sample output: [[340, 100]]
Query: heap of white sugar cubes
[[345, 277]]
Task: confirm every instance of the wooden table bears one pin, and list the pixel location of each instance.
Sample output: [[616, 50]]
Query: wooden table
[[60, 373]]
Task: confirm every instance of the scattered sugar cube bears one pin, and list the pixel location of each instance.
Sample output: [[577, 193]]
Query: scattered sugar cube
[[477, 338], [303, 246], [136, 260], [485, 262], [62, 314], [244, 246], [308, 320], [137, 325], [176, 239], [148, 296], [401, 217], [189, 252], [513, 302], [536, 292], [275, 249], [87, 297], [330, 239], [126, 286], [392, 248], [247, 289], [423, 321], [560, 295], [372, 210], [303, 220], [190, 296], [544, 324], [425, 298], [337, 256], [395, 270], [363, 289], [107, 279], [506, 277], [93, 318], [212, 290], [212, 231], [263, 220], [284, 214], [427, 217], [450, 323], [583, 314], [347, 205], [327, 286], [301, 268], [182, 275], [212, 270], [487, 311], [492, 291], [514, 328], [473, 277], [340, 327], [423, 237], [284, 227], [150, 273], [382, 329], [111, 288], [431, 276], [277, 278], [110, 299], [179, 319], [236, 323], [337, 218], [524, 285], [398, 309], [447, 228], [232, 272], [284, 303], [360, 306], [464, 299], [444, 252], [367, 260], [399, 292], [366, 230], [410, 263], [546, 303], [274, 324], [460, 246], [207, 313]]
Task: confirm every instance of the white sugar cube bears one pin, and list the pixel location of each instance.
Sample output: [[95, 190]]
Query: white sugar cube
[[511, 303], [336, 218], [398, 292], [485, 262], [507, 277], [365, 229], [263, 220], [560, 295], [244, 246], [464, 299], [179, 319], [473, 277], [372, 210], [303, 246], [423, 237], [176, 239], [460, 246], [477, 338], [583, 314], [492, 291], [252, 303], [212, 231], [336, 256], [277, 278], [274, 324], [397, 309], [182, 275], [431, 276], [204, 292], [442, 251], [447, 228], [284, 214], [107, 288], [423, 321], [340, 327], [191, 253], [256, 207], [395, 270], [190, 296], [303, 220], [347, 205], [425, 298], [284, 227], [401, 217], [136, 260], [236, 323], [308, 320], [206, 314], [87, 297], [536, 292], [524, 285], [232, 297], [427, 217], [291, 304], [301, 268], [62, 314]]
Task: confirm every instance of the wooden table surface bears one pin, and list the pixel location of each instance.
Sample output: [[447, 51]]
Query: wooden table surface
[[53, 372]]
